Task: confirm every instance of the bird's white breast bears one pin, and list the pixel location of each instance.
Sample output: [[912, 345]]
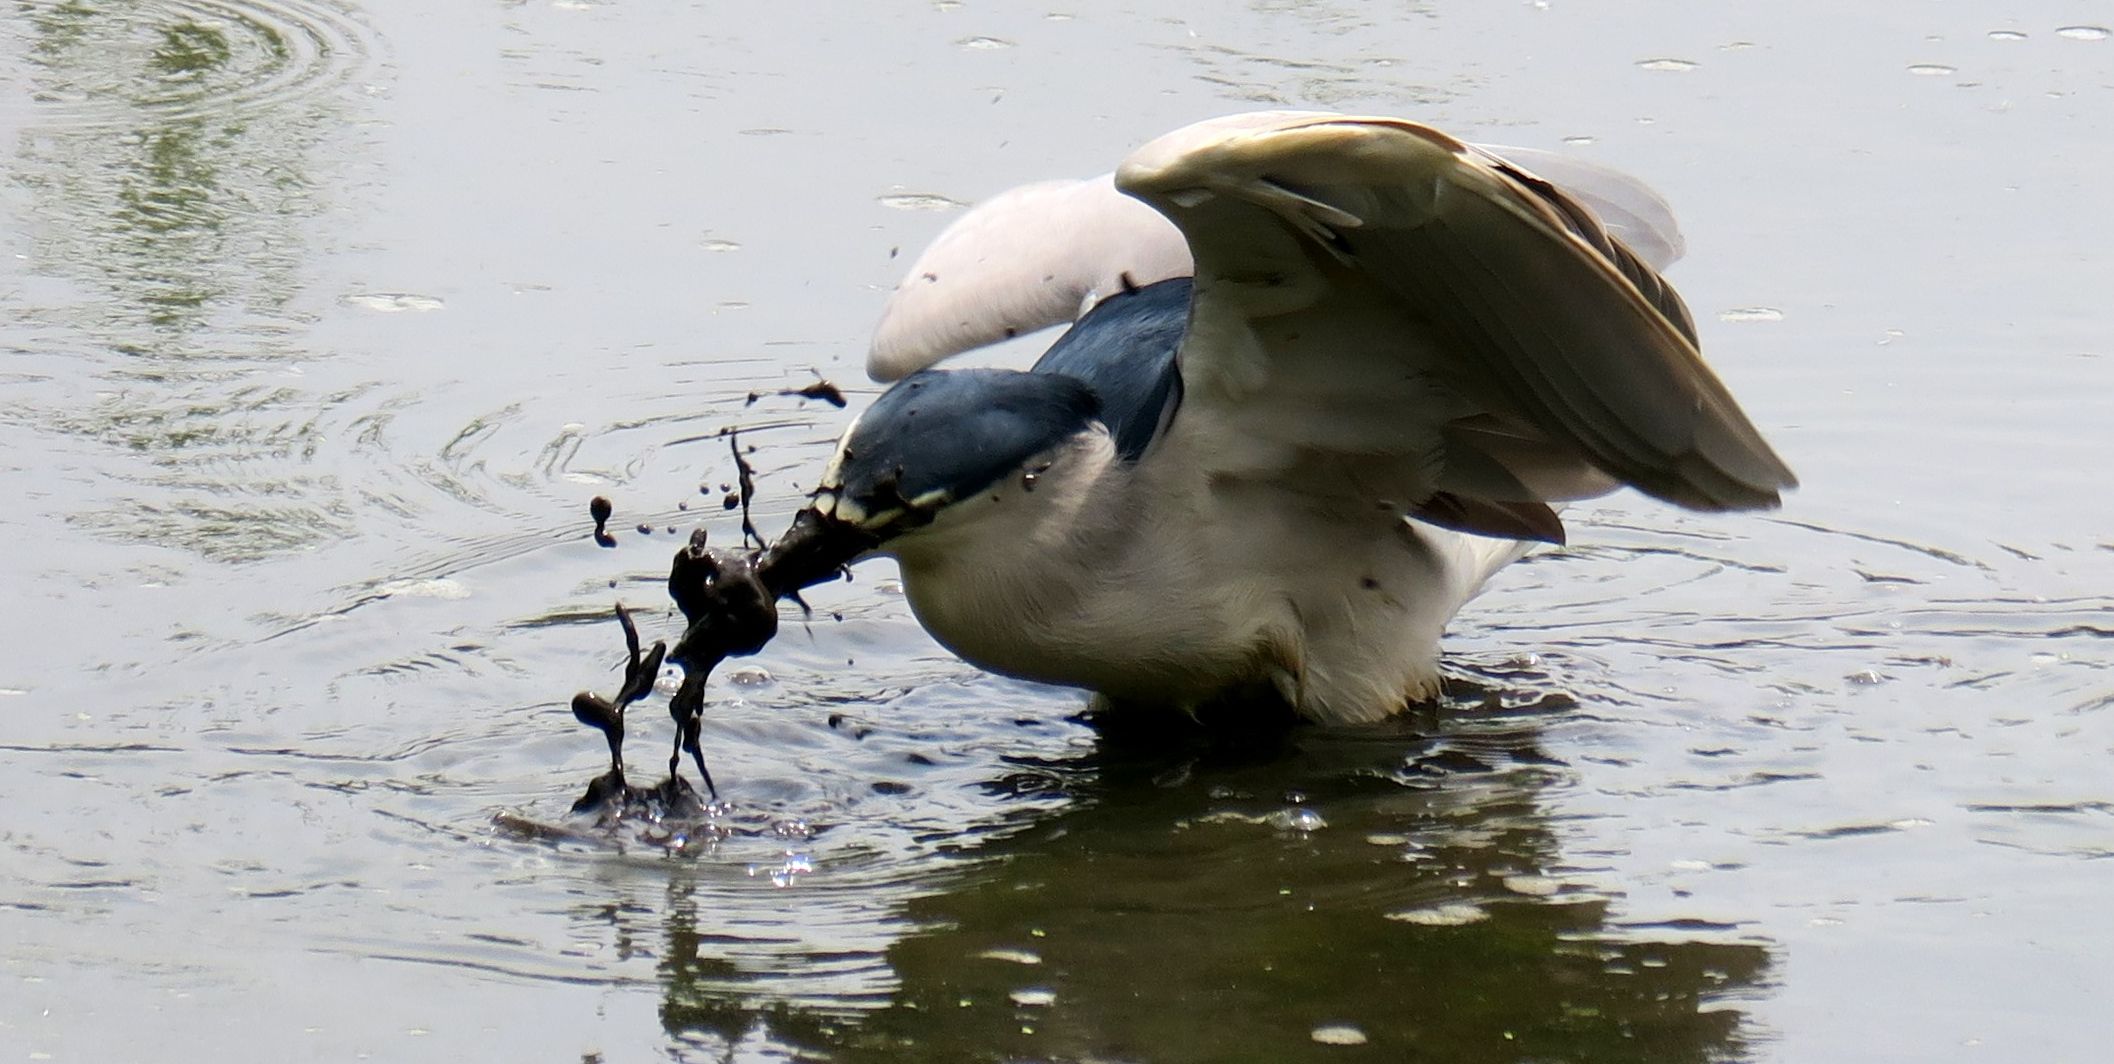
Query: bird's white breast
[[1145, 584]]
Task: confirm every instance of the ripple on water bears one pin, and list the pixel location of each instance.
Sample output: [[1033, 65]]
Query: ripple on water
[[919, 201], [1747, 314], [393, 302], [206, 58]]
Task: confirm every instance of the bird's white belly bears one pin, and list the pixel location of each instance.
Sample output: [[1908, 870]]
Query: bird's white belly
[[1340, 614]]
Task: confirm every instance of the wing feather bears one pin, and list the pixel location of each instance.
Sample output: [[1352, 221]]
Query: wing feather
[[1631, 211], [1042, 254], [1388, 252]]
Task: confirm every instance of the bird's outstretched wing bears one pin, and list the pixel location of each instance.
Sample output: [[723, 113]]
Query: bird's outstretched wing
[[1043, 254], [1383, 309]]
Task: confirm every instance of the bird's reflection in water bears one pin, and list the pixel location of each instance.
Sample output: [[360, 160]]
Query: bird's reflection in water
[[1270, 898]]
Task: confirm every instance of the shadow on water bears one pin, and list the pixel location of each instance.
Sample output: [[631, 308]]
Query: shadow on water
[[1413, 870]]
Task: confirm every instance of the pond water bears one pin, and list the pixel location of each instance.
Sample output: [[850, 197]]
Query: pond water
[[324, 321]]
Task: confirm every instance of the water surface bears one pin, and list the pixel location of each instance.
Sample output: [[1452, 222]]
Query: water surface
[[324, 320]]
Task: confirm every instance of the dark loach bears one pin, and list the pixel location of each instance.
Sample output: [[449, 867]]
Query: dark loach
[[729, 600]]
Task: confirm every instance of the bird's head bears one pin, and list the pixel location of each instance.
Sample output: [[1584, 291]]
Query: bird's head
[[940, 450]]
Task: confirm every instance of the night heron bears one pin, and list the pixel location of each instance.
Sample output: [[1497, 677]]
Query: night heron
[[1290, 433]]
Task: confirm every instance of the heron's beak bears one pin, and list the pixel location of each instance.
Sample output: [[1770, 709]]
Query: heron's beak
[[814, 550]]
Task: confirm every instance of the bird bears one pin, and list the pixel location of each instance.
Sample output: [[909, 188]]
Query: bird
[[1323, 376]]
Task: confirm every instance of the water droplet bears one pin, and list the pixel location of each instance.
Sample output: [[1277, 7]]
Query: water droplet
[[1932, 70], [2084, 33], [1337, 1034], [1057, 16], [1579, 141], [1034, 997], [1751, 314], [2006, 35], [1387, 838], [714, 244], [984, 44], [1866, 678], [919, 201], [1673, 65], [1451, 914]]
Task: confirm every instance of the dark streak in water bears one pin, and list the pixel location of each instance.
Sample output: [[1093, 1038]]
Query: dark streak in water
[[567, 978], [1846, 831], [92, 748], [1752, 779], [2041, 807], [756, 426], [1678, 925], [1939, 553]]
